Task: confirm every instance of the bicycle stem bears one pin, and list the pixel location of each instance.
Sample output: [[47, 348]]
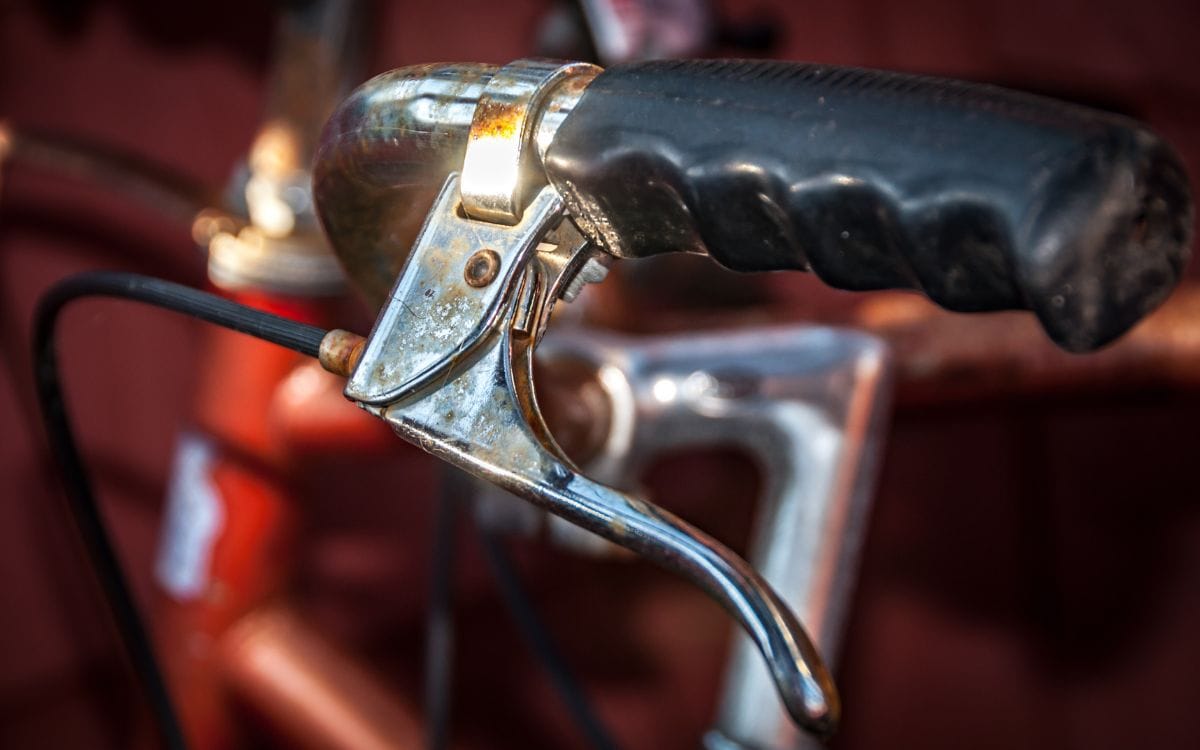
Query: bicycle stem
[[460, 387]]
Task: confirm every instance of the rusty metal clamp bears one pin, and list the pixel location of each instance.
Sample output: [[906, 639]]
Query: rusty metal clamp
[[494, 181], [448, 366]]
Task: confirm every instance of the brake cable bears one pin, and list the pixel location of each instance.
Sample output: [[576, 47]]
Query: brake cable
[[338, 355], [81, 499]]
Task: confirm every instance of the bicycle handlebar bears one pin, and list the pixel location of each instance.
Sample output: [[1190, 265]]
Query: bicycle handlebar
[[982, 198]]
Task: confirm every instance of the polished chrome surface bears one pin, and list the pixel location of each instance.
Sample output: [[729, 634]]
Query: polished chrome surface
[[448, 363], [475, 408], [386, 152], [477, 422], [383, 157], [807, 404], [495, 173]]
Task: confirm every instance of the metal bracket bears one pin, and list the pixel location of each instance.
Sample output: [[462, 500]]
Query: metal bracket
[[495, 170], [448, 365], [450, 296]]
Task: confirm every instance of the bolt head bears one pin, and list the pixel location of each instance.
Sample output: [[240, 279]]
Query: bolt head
[[482, 268]]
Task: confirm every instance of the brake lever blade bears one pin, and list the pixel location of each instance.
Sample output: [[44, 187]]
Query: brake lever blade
[[448, 365], [478, 422]]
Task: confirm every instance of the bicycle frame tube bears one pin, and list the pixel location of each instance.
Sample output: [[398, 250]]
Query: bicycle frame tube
[[225, 547]]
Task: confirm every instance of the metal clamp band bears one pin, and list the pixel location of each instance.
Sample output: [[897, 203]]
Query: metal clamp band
[[494, 181]]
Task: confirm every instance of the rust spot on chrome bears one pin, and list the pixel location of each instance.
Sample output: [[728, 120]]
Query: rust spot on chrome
[[495, 119], [482, 268]]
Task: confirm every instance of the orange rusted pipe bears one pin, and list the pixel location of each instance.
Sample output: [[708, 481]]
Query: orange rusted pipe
[[312, 694]]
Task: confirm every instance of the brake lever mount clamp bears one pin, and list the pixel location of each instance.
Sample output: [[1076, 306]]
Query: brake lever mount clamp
[[448, 363]]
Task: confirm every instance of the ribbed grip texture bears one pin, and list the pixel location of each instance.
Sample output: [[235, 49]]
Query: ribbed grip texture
[[980, 197]]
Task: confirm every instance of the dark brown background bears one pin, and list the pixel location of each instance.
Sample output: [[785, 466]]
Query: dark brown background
[[1032, 576]]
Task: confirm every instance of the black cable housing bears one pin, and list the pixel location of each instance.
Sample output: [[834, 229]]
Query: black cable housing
[[81, 500], [538, 639]]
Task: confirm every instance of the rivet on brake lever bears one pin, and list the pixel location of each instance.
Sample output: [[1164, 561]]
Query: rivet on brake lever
[[448, 365]]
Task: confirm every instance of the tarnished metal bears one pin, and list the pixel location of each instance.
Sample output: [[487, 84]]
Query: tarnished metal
[[494, 178], [383, 157], [807, 403], [387, 151], [448, 363], [560, 103], [474, 346], [434, 316], [340, 351]]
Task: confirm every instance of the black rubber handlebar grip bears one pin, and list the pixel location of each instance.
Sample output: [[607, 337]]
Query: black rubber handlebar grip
[[982, 198]]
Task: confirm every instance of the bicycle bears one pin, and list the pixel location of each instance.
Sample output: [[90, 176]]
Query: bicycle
[[408, 376]]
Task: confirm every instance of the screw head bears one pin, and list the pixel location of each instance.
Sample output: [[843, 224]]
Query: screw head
[[482, 268]]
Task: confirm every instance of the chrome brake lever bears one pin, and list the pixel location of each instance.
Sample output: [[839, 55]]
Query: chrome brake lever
[[448, 366]]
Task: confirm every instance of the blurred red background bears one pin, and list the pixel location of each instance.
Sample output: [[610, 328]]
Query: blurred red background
[[1032, 570]]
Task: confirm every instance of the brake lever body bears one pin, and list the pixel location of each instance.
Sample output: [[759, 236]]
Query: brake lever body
[[808, 404], [449, 367]]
